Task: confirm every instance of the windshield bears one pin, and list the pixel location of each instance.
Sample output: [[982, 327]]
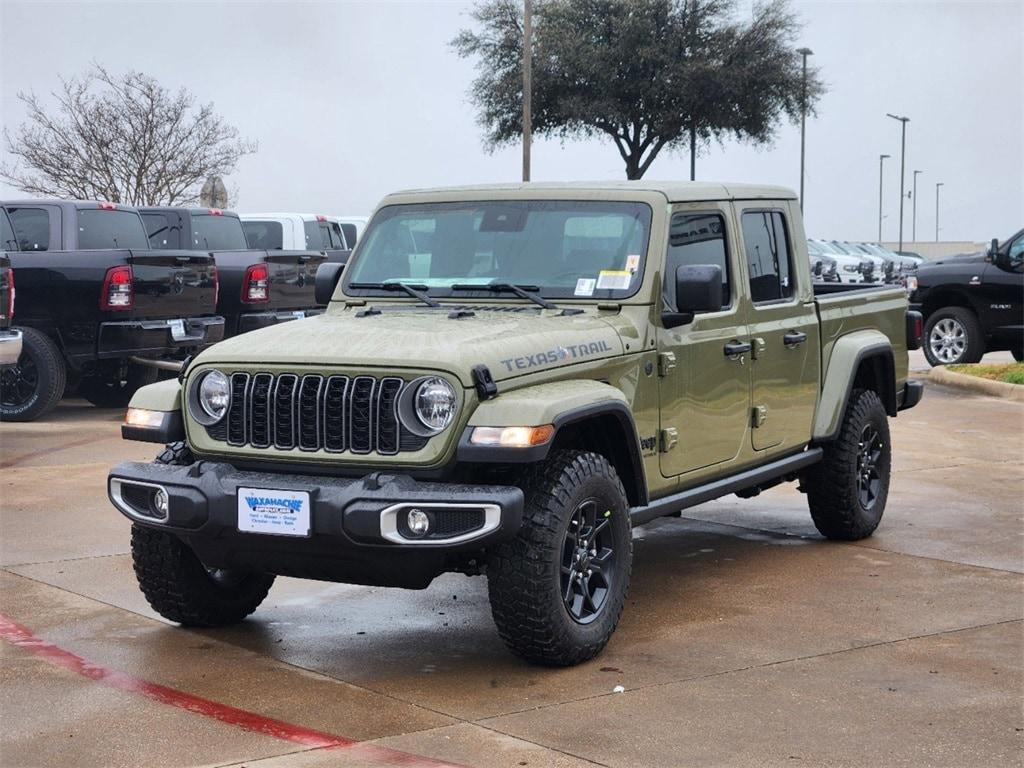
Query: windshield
[[99, 229], [567, 249], [217, 233]]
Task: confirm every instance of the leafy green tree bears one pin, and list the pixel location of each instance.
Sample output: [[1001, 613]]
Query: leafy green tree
[[650, 74]]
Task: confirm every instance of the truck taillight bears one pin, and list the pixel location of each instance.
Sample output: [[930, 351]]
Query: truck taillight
[[254, 286], [10, 295], [118, 291]]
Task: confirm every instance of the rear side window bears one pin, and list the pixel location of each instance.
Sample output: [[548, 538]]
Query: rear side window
[[31, 228], [8, 242], [696, 239], [163, 230], [768, 257], [314, 238], [264, 235], [99, 229], [350, 234], [217, 233]]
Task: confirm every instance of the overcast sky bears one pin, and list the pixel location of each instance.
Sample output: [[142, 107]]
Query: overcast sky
[[350, 100]]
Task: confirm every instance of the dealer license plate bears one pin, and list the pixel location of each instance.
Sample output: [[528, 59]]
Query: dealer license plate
[[280, 513], [177, 329]]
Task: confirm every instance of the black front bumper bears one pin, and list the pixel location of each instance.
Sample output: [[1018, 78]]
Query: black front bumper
[[353, 535], [156, 338]]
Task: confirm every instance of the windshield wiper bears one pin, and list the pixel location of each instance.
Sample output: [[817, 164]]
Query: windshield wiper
[[412, 289], [528, 292]]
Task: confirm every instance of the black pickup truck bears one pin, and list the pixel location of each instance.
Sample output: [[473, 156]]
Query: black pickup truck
[[973, 303], [258, 287], [97, 307]]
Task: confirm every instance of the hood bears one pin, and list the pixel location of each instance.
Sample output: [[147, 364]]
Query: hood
[[510, 341], [961, 258]]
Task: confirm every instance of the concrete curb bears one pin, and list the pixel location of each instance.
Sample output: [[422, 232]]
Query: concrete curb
[[941, 375]]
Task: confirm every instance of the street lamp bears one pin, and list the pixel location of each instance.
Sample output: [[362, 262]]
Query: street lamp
[[940, 184], [903, 167], [913, 215], [804, 52], [527, 85], [881, 162]]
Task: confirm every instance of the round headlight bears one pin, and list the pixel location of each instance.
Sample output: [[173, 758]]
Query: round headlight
[[434, 403], [214, 395]]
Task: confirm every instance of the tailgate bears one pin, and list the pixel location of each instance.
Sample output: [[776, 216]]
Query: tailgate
[[292, 278], [172, 284]]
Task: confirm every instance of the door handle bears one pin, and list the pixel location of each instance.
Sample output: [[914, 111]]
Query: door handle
[[736, 348], [794, 338]]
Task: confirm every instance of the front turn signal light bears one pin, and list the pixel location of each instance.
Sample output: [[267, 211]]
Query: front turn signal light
[[142, 417], [512, 437]]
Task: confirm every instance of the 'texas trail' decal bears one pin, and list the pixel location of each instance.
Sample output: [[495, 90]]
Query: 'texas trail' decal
[[571, 351]]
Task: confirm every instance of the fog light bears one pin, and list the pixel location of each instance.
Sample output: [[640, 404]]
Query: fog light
[[418, 522], [160, 502]]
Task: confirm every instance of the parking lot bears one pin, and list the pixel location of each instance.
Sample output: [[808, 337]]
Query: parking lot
[[748, 639]]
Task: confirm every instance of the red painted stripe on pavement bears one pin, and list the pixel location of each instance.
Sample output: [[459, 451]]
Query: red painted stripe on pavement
[[22, 637]]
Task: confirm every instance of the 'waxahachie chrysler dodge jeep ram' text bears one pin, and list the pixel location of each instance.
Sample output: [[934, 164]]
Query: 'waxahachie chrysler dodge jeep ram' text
[[507, 379]]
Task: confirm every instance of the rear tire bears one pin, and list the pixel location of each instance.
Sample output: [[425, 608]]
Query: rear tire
[[115, 393], [1018, 354], [178, 586], [952, 335], [847, 490], [33, 387], [558, 588]]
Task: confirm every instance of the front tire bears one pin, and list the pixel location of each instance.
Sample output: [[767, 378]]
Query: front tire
[[848, 489], [33, 386], [178, 586], [953, 335], [558, 588]]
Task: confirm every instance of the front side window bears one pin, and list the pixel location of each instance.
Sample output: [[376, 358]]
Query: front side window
[[100, 229], [1016, 249], [162, 233], [264, 235], [566, 249], [350, 234], [696, 239], [31, 228], [212, 232], [768, 259]]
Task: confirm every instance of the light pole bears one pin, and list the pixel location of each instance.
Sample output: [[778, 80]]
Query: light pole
[[913, 215], [940, 184], [527, 85], [804, 52], [903, 167], [881, 162]]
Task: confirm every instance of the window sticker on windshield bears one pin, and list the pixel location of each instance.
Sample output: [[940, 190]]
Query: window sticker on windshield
[[633, 262], [585, 286], [614, 279]]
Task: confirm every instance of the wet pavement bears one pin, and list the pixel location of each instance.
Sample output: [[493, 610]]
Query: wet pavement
[[747, 639]]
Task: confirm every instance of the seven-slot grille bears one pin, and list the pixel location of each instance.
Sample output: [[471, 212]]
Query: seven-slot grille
[[357, 414]]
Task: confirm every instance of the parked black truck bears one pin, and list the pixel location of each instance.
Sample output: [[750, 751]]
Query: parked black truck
[[973, 303], [258, 287], [97, 307]]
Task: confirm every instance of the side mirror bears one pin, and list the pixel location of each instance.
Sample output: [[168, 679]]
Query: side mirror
[[698, 289], [993, 248], [327, 275]]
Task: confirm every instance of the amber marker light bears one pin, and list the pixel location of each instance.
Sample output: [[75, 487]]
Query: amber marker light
[[142, 417], [512, 437]]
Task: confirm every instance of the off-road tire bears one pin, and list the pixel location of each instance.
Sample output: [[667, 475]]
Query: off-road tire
[[975, 348], [832, 485], [38, 350], [524, 575], [107, 393], [1018, 354], [178, 586]]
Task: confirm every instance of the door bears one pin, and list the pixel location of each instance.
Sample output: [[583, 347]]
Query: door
[[782, 322], [999, 295], [704, 393]]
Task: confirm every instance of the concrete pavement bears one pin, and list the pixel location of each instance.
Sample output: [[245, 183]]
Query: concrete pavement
[[747, 639]]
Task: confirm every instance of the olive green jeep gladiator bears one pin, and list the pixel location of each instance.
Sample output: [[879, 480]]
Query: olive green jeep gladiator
[[507, 380]]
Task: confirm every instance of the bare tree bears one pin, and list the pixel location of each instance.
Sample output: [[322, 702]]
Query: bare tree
[[123, 138]]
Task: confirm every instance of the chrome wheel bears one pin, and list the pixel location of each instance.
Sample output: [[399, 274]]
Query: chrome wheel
[[588, 561], [869, 456], [948, 340]]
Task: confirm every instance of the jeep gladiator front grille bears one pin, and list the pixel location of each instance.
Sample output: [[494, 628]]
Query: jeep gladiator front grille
[[336, 414]]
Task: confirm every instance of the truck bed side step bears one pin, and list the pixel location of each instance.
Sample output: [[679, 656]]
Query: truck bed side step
[[700, 494]]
